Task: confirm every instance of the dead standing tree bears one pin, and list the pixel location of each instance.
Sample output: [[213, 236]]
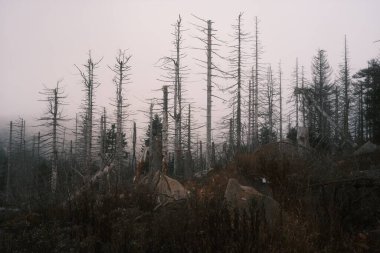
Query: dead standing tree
[[90, 84], [53, 121], [256, 80], [188, 167], [178, 98], [271, 94], [165, 126], [176, 75], [121, 70], [10, 159], [134, 139], [211, 48], [237, 62], [293, 100], [280, 98], [303, 108], [345, 83], [297, 85], [16, 170]]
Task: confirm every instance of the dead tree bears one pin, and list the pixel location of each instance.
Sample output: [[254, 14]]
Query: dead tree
[[250, 114], [189, 160], [270, 99], [165, 126], [280, 97], [336, 114], [151, 140], [231, 138], [103, 138], [76, 134], [16, 158], [303, 108], [178, 98], [209, 69], [212, 70], [257, 55], [53, 122], [90, 84], [251, 111], [134, 138], [296, 85], [10, 146], [176, 76], [121, 70], [38, 147], [237, 62], [345, 84]]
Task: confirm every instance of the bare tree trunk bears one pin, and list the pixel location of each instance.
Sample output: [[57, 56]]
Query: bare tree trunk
[[63, 141], [165, 126], [303, 99], [21, 135], [337, 115], [231, 139], [249, 135], [188, 166], [54, 160], [346, 82], [209, 68], [201, 155], [176, 126], [177, 101], [89, 115], [103, 134], [361, 114], [23, 148], [270, 99], [297, 94], [52, 119], [121, 78], [213, 153], [134, 138], [10, 143], [256, 87], [76, 134], [119, 115], [238, 111], [38, 147], [151, 140], [88, 103], [280, 93], [321, 99]]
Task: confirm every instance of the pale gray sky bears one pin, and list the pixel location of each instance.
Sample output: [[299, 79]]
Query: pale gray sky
[[41, 40]]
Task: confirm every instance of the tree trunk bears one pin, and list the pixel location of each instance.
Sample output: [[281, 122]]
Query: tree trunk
[[165, 126], [10, 143], [209, 50], [280, 89], [256, 87], [238, 111]]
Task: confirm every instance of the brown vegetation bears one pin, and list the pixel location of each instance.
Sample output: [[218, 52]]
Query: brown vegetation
[[315, 217]]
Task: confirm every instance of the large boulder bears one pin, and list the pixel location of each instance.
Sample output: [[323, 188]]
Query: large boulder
[[166, 188], [244, 198], [366, 148]]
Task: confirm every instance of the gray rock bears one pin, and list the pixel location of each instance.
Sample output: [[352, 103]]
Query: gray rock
[[243, 198], [366, 148]]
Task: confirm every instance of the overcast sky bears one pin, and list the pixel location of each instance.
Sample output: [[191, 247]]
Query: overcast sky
[[40, 41]]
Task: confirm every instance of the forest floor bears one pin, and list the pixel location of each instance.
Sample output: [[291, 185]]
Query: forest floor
[[328, 204]]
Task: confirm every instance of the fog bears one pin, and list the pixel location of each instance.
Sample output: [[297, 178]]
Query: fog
[[42, 40]]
